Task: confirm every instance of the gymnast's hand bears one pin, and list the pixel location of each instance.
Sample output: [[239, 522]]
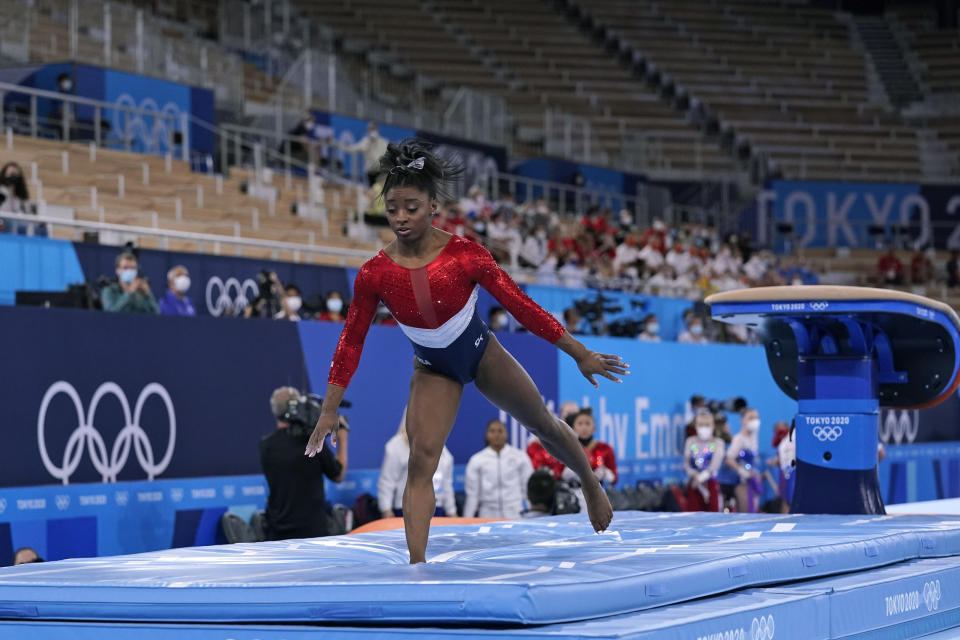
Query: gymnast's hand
[[326, 424], [604, 364]]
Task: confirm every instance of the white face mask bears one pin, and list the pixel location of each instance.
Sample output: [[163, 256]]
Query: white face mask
[[696, 329], [335, 305], [705, 433], [181, 283], [752, 425], [127, 275], [294, 303], [653, 328], [500, 322]]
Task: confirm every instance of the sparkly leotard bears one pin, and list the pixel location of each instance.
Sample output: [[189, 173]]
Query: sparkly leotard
[[434, 305]]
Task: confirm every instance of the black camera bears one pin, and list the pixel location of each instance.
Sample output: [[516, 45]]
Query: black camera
[[303, 412], [733, 405]]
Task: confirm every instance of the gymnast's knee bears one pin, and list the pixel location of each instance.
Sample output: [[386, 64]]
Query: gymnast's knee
[[423, 460]]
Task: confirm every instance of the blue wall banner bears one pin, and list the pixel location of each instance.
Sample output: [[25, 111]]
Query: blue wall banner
[[840, 214], [36, 264], [93, 396]]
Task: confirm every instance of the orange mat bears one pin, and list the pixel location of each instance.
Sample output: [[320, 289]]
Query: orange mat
[[389, 524]]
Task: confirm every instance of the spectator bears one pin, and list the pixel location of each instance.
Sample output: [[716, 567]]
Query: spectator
[[600, 454], [299, 148], [498, 319], [651, 329], [571, 320], [296, 505], [626, 253], [693, 334], [175, 302], [539, 457], [534, 249], [786, 462], [703, 454], [953, 269], [541, 487], [128, 292], [921, 266], [680, 258], [571, 274], [889, 268], [393, 476], [290, 305], [652, 253], [26, 555], [739, 477], [14, 198], [372, 146], [497, 477], [334, 311]]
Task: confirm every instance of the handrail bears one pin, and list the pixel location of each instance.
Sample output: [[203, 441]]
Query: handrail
[[274, 245], [6, 87]]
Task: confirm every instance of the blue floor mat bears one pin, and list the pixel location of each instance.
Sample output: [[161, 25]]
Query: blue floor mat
[[536, 571], [905, 600]]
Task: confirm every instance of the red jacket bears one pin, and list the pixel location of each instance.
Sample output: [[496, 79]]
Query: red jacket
[[543, 460], [602, 454]]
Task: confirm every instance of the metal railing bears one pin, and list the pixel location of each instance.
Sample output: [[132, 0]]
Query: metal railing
[[216, 242]]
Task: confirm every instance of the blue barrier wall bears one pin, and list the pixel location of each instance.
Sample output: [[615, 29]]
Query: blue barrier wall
[[36, 264]]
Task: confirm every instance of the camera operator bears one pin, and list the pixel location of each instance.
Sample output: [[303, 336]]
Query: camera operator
[[267, 304], [296, 506]]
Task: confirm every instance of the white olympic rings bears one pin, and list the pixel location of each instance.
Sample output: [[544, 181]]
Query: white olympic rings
[[225, 302], [825, 434], [762, 628], [86, 433], [931, 595]]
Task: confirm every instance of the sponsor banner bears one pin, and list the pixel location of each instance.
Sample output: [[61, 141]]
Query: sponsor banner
[[90, 397], [124, 517], [219, 285], [841, 214]]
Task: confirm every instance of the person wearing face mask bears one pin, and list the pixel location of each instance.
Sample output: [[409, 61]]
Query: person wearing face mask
[[128, 292], [600, 454], [693, 334], [290, 305], [739, 477], [890, 268], [703, 454], [651, 329], [496, 477], [14, 198], [175, 302], [334, 312]]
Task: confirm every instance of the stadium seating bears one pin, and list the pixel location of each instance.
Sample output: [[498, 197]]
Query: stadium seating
[[154, 202]]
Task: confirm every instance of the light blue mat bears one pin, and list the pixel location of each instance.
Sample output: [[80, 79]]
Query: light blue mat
[[537, 571], [901, 601]]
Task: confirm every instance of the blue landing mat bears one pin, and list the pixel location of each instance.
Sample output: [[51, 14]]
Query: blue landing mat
[[905, 600], [538, 571]]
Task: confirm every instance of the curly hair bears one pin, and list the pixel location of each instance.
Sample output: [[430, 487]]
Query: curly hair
[[412, 163]]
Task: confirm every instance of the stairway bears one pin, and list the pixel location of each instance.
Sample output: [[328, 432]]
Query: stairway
[[888, 59]]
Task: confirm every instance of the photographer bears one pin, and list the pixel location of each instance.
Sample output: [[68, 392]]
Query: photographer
[[267, 304], [296, 506]]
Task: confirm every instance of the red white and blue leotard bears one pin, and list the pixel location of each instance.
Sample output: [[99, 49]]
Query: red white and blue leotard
[[436, 307]]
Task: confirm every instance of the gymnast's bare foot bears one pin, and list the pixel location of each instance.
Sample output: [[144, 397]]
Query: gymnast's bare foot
[[598, 506]]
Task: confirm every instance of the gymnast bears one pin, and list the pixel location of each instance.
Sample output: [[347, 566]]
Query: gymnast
[[429, 279]]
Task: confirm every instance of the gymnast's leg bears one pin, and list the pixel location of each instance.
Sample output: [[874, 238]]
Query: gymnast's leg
[[434, 400], [508, 386]]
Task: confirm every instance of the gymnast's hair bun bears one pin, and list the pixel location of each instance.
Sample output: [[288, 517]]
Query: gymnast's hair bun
[[412, 163]]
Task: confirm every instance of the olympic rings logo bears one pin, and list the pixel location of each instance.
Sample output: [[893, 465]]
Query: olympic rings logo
[[825, 434], [236, 303], [931, 595], [762, 628], [819, 306], [153, 132], [86, 434]]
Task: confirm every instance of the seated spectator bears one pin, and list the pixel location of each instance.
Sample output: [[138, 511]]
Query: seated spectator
[[652, 253], [290, 304], [299, 148], [498, 319], [26, 555], [889, 268], [693, 334], [600, 454], [626, 254], [739, 477], [703, 454], [128, 292], [175, 302], [393, 477], [533, 252], [496, 478], [15, 198], [921, 266], [334, 312], [571, 321], [953, 269], [651, 329], [680, 258], [539, 457], [541, 488], [571, 274]]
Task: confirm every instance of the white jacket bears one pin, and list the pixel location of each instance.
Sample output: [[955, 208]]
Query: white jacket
[[497, 483], [393, 477]]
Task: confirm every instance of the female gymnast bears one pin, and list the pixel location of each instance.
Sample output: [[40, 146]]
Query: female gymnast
[[428, 279]]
